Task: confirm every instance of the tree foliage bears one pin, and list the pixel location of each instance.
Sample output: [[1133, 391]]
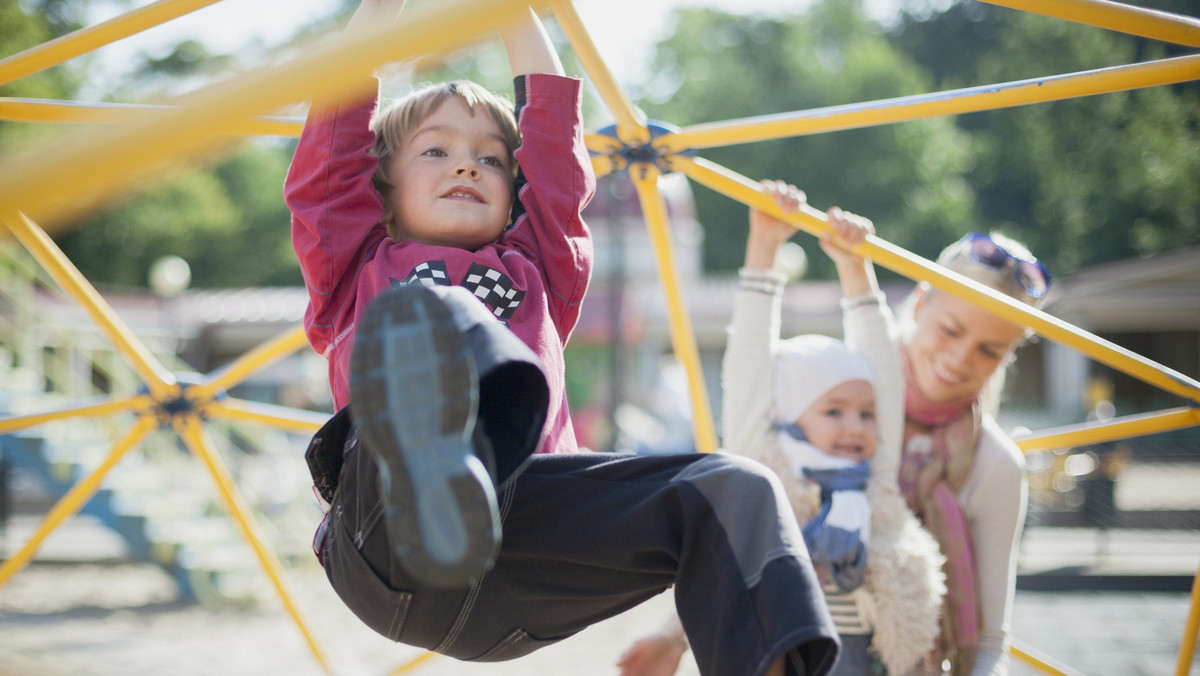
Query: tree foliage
[[24, 25], [907, 177], [1083, 180], [228, 221]]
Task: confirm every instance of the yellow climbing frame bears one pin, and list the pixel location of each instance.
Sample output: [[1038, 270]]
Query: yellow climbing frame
[[44, 190]]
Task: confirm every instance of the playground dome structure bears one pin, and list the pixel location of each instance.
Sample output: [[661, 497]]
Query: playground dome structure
[[44, 190]]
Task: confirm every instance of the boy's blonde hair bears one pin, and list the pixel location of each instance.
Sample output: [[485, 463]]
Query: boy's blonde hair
[[393, 123]]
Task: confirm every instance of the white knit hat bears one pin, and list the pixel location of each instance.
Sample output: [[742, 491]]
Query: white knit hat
[[806, 367]]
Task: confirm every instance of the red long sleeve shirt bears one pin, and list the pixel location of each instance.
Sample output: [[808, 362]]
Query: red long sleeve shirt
[[533, 278]]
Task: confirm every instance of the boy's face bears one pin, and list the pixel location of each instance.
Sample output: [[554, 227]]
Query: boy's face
[[451, 180], [842, 422]]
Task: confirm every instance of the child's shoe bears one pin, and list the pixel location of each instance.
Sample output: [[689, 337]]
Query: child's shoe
[[414, 395]]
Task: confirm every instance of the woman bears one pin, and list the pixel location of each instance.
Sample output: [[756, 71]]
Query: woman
[[828, 418], [960, 473]]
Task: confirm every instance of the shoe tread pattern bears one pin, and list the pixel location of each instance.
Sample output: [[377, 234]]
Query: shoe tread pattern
[[413, 393]]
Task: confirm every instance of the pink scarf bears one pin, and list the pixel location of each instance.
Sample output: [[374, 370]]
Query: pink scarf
[[930, 483]]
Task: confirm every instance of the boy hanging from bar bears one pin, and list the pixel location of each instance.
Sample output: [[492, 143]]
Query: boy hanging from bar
[[446, 260]]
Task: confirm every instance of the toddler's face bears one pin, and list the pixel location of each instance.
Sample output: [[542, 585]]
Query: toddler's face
[[842, 422], [451, 180]]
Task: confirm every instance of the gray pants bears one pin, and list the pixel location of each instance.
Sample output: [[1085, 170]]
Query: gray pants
[[587, 536]]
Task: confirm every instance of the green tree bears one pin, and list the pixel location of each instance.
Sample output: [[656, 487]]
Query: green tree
[[1085, 180], [907, 177], [228, 221], [24, 25]]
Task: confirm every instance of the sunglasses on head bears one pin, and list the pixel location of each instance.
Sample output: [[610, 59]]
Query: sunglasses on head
[[1029, 274]]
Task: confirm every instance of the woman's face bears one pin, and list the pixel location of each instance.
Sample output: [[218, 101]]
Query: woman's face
[[956, 346]]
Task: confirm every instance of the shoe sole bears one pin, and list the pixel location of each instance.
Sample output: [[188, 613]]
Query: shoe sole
[[414, 394]]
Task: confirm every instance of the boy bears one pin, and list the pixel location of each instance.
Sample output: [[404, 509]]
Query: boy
[[444, 398]]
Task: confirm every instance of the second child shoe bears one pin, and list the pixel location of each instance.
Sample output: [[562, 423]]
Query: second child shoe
[[414, 396]]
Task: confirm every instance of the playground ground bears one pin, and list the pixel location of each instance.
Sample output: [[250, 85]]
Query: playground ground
[[64, 617]]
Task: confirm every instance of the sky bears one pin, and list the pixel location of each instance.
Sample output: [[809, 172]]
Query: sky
[[236, 26]]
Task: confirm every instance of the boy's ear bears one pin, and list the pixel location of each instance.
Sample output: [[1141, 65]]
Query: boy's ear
[[388, 220]]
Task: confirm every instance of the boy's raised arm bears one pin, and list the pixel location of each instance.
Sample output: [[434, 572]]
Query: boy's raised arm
[[528, 46]]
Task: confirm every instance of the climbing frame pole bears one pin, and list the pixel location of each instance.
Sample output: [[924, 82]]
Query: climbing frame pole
[[683, 339], [1038, 660], [208, 396], [157, 378], [252, 362], [1187, 647], [105, 163], [914, 267], [163, 403], [74, 500], [99, 406], [951, 102], [82, 41], [74, 112], [1125, 427], [1141, 21], [279, 417], [631, 122], [191, 429]]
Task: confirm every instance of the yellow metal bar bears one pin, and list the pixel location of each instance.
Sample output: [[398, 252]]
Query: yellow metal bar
[[85, 40], [250, 363], [1125, 427], [605, 154], [89, 407], [953, 102], [280, 417], [1141, 21], [413, 663], [605, 165], [596, 143], [75, 499], [192, 431], [645, 179], [1040, 661], [74, 112], [631, 121], [158, 379], [1187, 647], [99, 164], [914, 267]]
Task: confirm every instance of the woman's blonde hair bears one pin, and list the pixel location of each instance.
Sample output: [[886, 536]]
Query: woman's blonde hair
[[1001, 278], [955, 257], [393, 124]]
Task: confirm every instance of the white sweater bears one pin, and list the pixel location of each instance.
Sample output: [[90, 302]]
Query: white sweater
[[994, 497]]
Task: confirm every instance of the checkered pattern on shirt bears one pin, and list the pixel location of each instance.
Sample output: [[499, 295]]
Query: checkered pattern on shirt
[[429, 273], [491, 286], [494, 288]]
